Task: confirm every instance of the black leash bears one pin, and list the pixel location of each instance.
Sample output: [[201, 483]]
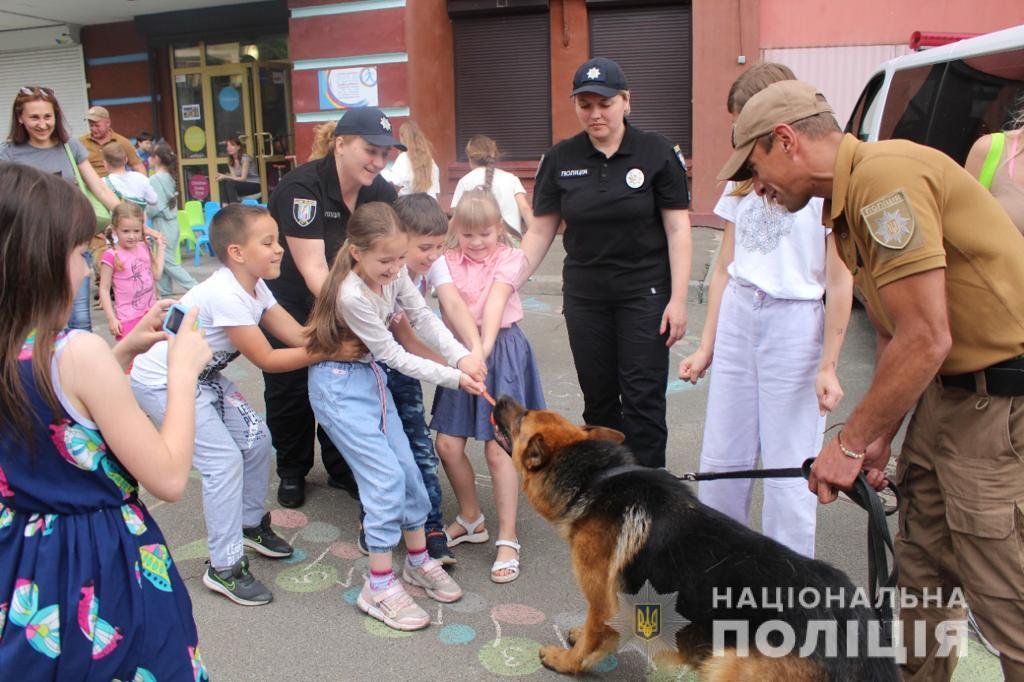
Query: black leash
[[880, 545]]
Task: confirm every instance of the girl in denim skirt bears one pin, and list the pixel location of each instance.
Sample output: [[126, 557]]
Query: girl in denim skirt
[[485, 269]]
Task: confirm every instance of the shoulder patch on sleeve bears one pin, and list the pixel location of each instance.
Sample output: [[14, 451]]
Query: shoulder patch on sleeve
[[304, 211], [890, 220]]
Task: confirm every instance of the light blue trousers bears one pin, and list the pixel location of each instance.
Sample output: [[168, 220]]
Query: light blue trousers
[[352, 403], [233, 453]]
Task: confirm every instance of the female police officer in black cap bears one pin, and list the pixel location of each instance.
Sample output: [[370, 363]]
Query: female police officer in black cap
[[312, 206], [624, 198]]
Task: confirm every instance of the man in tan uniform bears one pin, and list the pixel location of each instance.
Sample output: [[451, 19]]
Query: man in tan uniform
[[100, 133], [941, 268]]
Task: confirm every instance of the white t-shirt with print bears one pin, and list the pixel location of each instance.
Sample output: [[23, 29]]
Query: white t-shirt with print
[[133, 185], [505, 186], [222, 303], [779, 252]]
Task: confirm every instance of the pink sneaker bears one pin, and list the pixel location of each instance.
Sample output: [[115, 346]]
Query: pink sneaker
[[432, 577], [392, 606]]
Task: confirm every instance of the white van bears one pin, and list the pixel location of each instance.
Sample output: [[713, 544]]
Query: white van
[[945, 97]]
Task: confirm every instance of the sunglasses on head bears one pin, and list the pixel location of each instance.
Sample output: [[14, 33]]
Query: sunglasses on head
[[35, 90]]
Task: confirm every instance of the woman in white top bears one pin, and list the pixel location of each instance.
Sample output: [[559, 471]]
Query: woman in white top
[[775, 346], [516, 212], [414, 170]]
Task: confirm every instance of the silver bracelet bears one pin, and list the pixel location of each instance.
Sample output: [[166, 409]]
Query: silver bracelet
[[847, 451]]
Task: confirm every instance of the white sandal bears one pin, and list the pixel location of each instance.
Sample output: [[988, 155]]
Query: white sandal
[[470, 535], [511, 564]]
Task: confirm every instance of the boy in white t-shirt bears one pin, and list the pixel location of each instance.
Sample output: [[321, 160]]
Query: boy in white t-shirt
[[233, 450], [127, 185]]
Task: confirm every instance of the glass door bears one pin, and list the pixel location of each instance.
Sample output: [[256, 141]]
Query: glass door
[[223, 91]]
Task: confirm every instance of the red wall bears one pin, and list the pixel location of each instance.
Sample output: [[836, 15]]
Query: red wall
[[130, 79], [800, 23]]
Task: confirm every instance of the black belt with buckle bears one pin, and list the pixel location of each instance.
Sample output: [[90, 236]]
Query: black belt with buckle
[[1005, 378]]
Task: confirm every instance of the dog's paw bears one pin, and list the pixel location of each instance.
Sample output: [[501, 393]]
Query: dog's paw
[[574, 635], [558, 659]]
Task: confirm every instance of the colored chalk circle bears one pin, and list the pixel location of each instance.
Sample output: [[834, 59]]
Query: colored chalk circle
[[319, 531], [288, 518], [456, 634], [351, 595], [510, 656], [196, 549], [375, 627], [305, 579], [298, 556], [345, 550], [517, 614]]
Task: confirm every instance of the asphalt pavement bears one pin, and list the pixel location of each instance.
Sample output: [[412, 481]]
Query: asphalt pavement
[[313, 631]]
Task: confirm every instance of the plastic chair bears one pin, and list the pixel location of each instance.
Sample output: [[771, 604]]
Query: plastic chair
[[185, 234], [201, 241], [194, 211], [250, 202]]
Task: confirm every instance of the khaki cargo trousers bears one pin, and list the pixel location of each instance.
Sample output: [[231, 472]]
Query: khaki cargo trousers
[[961, 524]]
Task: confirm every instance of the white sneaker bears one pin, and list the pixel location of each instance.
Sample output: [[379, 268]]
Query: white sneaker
[[392, 606]]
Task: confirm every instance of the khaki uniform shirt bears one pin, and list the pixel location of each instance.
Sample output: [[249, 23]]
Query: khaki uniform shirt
[[95, 150], [900, 208]]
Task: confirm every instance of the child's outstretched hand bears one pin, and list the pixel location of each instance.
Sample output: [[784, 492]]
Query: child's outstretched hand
[[187, 351], [693, 367], [474, 366], [471, 385]]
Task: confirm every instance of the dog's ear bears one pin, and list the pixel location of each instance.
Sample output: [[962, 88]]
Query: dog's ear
[[603, 433], [535, 454]]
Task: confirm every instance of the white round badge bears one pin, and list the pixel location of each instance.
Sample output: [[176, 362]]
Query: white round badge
[[634, 178]]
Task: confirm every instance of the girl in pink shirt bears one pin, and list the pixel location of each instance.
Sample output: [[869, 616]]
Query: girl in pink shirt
[[484, 270], [130, 269]]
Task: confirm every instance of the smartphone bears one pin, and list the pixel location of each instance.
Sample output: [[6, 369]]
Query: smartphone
[[175, 315]]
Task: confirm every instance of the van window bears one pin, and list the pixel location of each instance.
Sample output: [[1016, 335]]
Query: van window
[[971, 103], [909, 105], [866, 112]]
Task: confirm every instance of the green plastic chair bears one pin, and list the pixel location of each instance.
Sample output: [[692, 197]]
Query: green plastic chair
[[185, 234], [194, 211]]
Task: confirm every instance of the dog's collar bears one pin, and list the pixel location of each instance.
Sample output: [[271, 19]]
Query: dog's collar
[[603, 476]]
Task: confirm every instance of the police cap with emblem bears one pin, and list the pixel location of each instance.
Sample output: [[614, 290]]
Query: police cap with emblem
[[369, 123], [599, 75], [781, 102]]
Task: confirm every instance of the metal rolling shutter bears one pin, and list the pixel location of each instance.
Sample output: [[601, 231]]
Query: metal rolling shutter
[[653, 45], [503, 83], [60, 68]]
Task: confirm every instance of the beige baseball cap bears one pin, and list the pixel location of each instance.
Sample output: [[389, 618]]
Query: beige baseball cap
[[781, 102], [97, 113]]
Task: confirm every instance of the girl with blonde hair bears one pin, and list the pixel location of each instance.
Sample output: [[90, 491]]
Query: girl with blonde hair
[[414, 170]]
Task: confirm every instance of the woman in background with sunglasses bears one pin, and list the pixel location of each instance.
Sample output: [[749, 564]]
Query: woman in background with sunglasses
[[39, 138]]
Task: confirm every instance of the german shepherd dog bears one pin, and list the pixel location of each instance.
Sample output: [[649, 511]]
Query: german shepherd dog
[[642, 525]]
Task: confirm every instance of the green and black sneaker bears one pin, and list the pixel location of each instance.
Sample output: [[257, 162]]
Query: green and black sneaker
[[238, 585], [264, 540]]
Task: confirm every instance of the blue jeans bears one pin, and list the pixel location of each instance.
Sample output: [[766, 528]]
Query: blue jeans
[[80, 317], [352, 403], [408, 396]]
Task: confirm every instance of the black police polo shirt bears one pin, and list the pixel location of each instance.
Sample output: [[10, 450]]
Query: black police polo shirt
[[615, 241], [307, 205]]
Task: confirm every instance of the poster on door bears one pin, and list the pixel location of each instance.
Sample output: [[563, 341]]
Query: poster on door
[[348, 88]]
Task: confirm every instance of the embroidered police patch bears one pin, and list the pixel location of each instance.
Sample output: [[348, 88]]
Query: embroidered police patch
[[304, 211], [890, 220]]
